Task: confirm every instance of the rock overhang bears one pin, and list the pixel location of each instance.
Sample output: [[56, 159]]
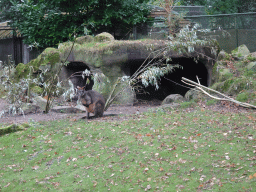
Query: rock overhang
[[113, 57]]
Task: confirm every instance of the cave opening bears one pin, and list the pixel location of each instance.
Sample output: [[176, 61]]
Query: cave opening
[[171, 83], [74, 72]]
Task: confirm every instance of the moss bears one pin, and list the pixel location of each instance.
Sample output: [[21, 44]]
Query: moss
[[85, 39], [104, 37], [243, 97], [21, 70], [36, 89], [227, 84], [187, 104], [11, 128], [225, 74], [251, 58]]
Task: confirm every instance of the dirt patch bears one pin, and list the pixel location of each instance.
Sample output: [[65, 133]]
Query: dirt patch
[[113, 112], [117, 112]]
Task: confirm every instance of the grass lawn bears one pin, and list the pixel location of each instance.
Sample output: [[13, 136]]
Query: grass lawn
[[174, 150]]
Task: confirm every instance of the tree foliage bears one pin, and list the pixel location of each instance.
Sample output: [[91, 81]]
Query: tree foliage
[[45, 23]]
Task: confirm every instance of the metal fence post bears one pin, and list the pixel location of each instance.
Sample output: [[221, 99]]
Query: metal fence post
[[236, 27]]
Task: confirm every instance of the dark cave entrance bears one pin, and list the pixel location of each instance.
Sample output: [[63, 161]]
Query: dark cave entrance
[[74, 72], [171, 83]]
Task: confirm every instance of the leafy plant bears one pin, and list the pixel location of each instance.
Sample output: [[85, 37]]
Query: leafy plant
[[47, 23]]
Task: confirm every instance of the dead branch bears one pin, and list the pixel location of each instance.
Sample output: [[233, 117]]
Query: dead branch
[[223, 98]]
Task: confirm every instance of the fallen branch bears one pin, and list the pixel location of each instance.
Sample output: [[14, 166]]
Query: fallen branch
[[225, 98]]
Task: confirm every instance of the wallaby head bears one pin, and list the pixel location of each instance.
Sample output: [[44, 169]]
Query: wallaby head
[[83, 96]]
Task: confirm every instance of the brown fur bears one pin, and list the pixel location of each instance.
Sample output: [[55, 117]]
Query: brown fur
[[93, 101]]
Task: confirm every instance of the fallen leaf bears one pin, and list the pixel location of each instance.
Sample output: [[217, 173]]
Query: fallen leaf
[[250, 177], [35, 167], [146, 169], [148, 187], [254, 175]]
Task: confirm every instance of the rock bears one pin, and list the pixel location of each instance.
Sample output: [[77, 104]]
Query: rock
[[85, 39], [194, 94], [68, 109], [40, 102], [253, 54], [222, 55], [172, 98], [241, 51], [251, 66], [28, 108], [171, 105], [104, 37], [225, 74]]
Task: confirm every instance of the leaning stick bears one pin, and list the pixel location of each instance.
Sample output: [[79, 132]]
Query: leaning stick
[[226, 98]]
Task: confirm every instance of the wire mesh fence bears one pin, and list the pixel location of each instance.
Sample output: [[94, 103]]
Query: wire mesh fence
[[230, 30]]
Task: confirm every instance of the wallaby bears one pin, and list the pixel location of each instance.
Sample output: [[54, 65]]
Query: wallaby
[[93, 101]]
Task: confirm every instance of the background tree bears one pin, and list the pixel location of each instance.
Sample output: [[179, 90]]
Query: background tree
[[45, 23]]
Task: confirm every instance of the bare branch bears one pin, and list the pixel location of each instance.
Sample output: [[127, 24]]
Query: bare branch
[[226, 98]]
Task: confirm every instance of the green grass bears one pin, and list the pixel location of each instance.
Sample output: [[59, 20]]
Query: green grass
[[158, 151]]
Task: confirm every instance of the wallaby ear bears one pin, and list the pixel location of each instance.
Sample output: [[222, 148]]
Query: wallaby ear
[[80, 88]]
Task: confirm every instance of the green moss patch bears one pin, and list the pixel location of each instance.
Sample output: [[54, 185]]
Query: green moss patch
[[13, 128]]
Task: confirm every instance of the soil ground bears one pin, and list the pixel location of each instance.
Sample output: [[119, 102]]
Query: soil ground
[[114, 112]]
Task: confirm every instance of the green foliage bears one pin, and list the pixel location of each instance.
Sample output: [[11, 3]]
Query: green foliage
[[47, 23], [243, 97], [152, 75], [251, 58]]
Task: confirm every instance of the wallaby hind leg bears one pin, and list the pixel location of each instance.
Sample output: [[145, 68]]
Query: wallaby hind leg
[[88, 115]]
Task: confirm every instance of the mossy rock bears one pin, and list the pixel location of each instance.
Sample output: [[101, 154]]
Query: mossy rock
[[242, 97], [225, 74], [173, 98], [240, 51], [47, 59], [104, 37], [251, 66], [22, 70], [223, 56], [251, 57], [234, 86], [195, 95], [247, 96], [12, 128], [85, 39]]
